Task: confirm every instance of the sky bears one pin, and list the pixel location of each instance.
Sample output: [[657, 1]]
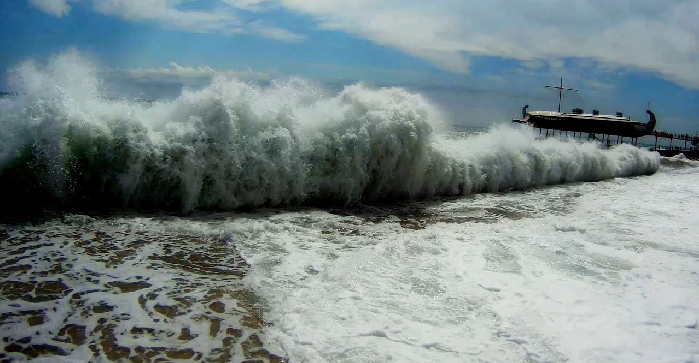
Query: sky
[[480, 60]]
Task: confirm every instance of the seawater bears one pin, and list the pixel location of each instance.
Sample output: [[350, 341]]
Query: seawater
[[367, 234], [234, 144]]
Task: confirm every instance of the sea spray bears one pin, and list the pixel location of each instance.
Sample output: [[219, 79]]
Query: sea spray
[[235, 144]]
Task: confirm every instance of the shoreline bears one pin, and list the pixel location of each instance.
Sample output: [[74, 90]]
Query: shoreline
[[103, 290]]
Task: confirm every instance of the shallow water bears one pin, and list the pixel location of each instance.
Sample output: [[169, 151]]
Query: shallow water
[[113, 289], [587, 272]]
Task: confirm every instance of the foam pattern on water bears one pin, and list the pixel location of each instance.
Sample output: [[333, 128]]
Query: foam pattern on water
[[587, 272], [84, 290]]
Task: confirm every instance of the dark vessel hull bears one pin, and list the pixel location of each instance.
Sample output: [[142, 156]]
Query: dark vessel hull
[[591, 124]]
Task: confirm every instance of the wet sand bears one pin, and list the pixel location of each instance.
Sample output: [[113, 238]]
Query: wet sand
[[107, 290]]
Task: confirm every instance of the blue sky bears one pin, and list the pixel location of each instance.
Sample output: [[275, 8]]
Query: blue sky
[[479, 59]]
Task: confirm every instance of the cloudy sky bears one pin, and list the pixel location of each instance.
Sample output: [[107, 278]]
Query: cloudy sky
[[481, 59]]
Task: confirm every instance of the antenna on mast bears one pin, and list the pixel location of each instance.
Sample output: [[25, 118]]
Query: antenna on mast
[[560, 92]]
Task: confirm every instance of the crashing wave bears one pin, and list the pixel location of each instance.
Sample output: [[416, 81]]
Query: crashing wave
[[235, 144]]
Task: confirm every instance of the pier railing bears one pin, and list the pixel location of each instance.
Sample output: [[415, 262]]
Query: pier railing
[[667, 144]]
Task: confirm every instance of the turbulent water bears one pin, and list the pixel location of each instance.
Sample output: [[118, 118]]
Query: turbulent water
[[329, 227], [235, 145]]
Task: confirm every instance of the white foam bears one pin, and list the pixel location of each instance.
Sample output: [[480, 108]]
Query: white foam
[[618, 285], [236, 144]]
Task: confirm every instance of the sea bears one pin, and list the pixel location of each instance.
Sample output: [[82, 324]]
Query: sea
[[286, 222]]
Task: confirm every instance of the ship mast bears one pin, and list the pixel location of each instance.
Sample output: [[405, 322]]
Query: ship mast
[[560, 93]]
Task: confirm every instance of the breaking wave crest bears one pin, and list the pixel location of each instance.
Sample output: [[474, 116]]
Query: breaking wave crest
[[235, 144]]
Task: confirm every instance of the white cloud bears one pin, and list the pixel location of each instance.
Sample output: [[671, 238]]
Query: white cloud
[[650, 35], [369, 69], [58, 8], [533, 64], [163, 11], [222, 20], [657, 36], [166, 12], [176, 73], [598, 85], [271, 32], [249, 5]]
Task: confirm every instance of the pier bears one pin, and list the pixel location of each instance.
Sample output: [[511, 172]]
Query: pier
[[683, 144], [665, 143]]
